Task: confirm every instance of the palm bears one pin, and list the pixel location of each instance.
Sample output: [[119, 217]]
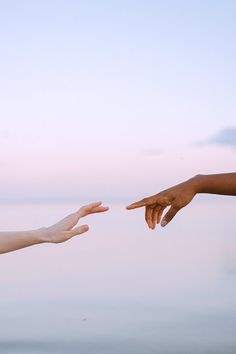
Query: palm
[[65, 228]]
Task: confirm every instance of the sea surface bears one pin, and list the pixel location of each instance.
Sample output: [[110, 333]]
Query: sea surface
[[122, 288]]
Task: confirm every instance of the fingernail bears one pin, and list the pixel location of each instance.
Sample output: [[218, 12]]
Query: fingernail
[[164, 223]]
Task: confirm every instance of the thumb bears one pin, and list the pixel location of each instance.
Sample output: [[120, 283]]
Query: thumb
[[79, 230], [169, 215]]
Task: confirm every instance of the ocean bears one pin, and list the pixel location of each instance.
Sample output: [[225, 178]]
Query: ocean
[[122, 288]]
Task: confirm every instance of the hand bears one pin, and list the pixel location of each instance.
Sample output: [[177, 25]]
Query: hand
[[175, 197], [64, 229]]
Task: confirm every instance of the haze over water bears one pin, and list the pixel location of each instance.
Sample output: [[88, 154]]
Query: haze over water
[[115, 101], [122, 288]]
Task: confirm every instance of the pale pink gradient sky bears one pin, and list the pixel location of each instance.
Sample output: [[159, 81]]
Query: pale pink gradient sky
[[89, 96]]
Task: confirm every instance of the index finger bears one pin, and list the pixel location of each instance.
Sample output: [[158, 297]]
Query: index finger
[[91, 209], [139, 204]]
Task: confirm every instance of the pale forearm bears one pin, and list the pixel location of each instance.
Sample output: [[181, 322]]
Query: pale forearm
[[62, 231], [224, 184], [14, 240]]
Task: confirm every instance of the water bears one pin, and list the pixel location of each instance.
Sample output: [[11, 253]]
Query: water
[[122, 288]]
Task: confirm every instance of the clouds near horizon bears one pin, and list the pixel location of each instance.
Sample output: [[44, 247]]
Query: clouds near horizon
[[107, 98], [225, 137]]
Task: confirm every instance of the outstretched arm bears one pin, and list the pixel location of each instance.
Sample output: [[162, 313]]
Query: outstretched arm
[[60, 232], [181, 195]]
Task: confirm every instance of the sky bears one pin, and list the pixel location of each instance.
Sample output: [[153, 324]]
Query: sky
[[114, 100]]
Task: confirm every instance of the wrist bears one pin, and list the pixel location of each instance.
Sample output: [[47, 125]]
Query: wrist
[[42, 235], [197, 182]]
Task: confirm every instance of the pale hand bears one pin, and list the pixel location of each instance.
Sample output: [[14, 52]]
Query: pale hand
[[65, 229]]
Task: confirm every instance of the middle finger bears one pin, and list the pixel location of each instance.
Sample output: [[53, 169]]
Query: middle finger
[[148, 216]]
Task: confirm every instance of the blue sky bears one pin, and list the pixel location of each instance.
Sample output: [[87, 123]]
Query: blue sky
[[89, 88]]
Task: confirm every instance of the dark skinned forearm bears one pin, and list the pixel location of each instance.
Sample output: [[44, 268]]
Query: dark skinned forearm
[[224, 184]]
